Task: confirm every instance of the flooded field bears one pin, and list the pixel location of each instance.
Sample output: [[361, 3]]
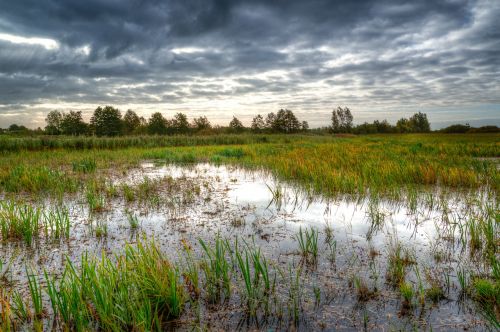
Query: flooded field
[[248, 251]]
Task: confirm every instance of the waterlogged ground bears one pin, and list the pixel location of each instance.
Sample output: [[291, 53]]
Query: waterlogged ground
[[347, 287]]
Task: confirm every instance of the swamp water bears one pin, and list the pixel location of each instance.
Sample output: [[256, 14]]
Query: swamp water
[[348, 285]]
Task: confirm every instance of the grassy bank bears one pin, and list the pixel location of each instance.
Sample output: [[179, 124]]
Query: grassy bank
[[329, 165]]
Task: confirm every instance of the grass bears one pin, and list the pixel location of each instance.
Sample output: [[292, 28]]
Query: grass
[[364, 293], [20, 221], [216, 268], [258, 285], [331, 166], [434, 293], [407, 292], [133, 220], [86, 165], [23, 221], [95, 200], [58, 222], [308, 244], [139, 288], [399, 260]]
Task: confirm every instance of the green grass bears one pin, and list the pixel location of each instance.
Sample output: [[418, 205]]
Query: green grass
[[20, 221], [407, 292], [327, 165], [27, 222], [154, 291], [399, 259], [85, 166], [216, 268], [139, 288], [308, 243], [133, 220]]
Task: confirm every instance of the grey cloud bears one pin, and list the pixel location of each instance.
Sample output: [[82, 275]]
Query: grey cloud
[[305, 55]]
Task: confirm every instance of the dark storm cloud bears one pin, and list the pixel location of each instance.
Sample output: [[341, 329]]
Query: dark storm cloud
[[309, 55]]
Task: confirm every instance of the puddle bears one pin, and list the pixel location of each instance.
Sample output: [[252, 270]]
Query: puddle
[[254, 206]]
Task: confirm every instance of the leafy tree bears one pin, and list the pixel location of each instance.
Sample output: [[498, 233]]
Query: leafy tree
[[404, 126], [201, 123], [157, 124], [304, 126], [271, 121], [383, 127], [180, 123], [53, 121], [258, 123], [347, 125], [106, 121], [131, 122], [420, 123], [15, 128], [236, 126], [72, 124], [286, 122], [342, 120], [335, 122]]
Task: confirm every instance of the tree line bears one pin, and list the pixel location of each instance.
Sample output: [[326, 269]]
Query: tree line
[[341, 122], [108, 121]]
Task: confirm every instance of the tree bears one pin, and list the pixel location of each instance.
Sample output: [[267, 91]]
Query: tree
[[15, 128], [106, 121], [201, 123], [72, 124], [335, 122], [304, 126], [258, 123], [286, 122], [342, 120], [53, 121], [271, 121], [157, 124], [347, 125], [131, 122], [404, 126], [292, 124], [420, 123], [236, 126], [180, 123]]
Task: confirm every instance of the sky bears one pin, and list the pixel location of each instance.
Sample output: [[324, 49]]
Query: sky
[[382, 59]]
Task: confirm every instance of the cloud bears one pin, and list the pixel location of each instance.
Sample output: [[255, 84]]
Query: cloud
[[223, 58]]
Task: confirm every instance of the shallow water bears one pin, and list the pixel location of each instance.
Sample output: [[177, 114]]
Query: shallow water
[[237, 202]]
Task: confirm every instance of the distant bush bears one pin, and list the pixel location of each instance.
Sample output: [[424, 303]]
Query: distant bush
[[467, 129], [456, 129], [485, 129]]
